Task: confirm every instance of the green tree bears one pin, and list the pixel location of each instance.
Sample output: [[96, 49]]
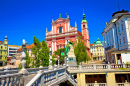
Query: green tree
[[58, 53], [53, 59], [35, 51], [41, 52], [80, 51], [44, 54], [27, 59]]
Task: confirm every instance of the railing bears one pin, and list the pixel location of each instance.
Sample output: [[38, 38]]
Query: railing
[[9, 69], [94, 67], [35, 70], [52, 77], [30, 70], [110, 47], [96, 84], [123, 84], [11, 80], [8, 72]]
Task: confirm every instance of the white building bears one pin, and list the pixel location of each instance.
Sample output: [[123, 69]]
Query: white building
[[117, 37], [12, 50]]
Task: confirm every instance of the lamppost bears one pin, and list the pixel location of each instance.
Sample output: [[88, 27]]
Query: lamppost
[[58, 61], [23, 62]]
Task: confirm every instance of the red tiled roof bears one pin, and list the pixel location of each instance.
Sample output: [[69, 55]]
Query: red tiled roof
[[91, 44], [28, 47], [19, 49], [9, 57], [79, 33], [0, 41]]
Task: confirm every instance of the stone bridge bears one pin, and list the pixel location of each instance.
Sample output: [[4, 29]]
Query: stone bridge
[[54, 75]]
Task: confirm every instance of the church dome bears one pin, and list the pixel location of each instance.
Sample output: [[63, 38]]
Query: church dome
[[98, 41]]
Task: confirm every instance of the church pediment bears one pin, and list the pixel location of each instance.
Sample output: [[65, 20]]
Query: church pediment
[[59, 20]]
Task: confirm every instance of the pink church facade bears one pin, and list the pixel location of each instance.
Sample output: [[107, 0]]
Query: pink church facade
[[62, 32]]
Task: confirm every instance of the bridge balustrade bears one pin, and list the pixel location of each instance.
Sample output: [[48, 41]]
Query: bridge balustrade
[[51, 77], [91, 67], [8, 72], [11, 80]]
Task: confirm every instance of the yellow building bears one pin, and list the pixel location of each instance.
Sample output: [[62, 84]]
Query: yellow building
[[3, 51], [97, 49]]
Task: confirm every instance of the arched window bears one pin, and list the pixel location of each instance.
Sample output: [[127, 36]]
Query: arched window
[[83, 26], [60, 30]]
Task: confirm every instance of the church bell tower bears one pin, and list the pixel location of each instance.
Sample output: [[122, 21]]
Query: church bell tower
[[85, 32]]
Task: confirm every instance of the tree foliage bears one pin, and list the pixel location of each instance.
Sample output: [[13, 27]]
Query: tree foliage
[[41, 52], [44, 54], [27, 59], [58, 53], [80, 51]]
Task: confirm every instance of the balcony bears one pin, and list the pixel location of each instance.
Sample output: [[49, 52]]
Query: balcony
[[110, 47]]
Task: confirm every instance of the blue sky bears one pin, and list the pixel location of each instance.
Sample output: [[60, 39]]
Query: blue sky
[[23, 19]]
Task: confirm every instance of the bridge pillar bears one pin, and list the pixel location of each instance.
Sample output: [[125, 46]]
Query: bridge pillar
[[110, 79], [81, 79]]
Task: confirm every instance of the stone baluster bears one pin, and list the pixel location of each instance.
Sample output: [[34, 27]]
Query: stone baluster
[[80, 66], [96, 84], [57, 75], [94, 67], [55, 67], [7, 70], [109, 66], [64, 65], [124, 65], [23, 70], [65, 69], [126, 83]]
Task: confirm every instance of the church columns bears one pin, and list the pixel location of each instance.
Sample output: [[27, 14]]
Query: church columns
[[68, 26], [55, 46], [55, 29], [52, 29], [65, 26], [52, 47]]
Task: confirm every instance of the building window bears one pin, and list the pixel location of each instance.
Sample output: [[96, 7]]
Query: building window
[[118, 29], [120, 41], [70, 59], [64, 46], [5, 46], [124, 39], [122, 26], [0, 56], [83, 26], [60, 30]]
